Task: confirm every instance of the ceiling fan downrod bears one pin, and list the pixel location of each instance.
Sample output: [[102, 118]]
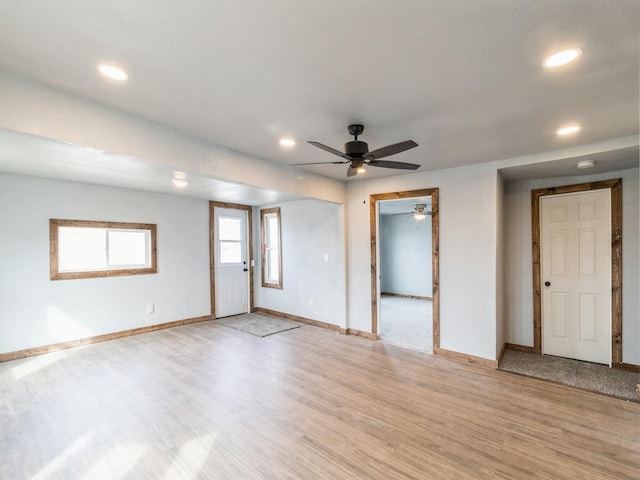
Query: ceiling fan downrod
[[355, 130]]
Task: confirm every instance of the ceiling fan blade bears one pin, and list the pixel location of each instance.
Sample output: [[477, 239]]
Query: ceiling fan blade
[[352, 172], [392, 164], [390, 150], [410, 213], [321, 163], [330, 150]]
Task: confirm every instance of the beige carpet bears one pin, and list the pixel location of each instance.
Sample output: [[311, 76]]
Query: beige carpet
[[585, 375], [406, 322]]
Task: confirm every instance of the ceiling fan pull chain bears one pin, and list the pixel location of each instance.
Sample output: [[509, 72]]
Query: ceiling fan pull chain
[[364, 193]]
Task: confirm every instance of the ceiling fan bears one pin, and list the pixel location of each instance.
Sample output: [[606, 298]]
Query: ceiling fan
[[357, 154], [419, 211]]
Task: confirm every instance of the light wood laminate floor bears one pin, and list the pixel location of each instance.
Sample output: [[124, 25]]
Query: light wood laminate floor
[[206, 401]]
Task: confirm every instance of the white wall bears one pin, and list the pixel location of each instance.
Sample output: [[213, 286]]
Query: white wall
[[405, 255], [468, 242], [518, 268], [312, 231], [36, 311]]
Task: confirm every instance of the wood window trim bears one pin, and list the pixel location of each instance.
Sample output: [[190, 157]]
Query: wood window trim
[[435, 254], [263, 247], [615, 186], [53, 249]]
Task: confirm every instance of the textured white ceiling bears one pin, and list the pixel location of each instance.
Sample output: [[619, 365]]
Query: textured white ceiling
[[461, 78]]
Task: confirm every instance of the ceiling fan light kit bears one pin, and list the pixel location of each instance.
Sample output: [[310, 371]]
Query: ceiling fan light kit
[[419, 211], [357, 155]]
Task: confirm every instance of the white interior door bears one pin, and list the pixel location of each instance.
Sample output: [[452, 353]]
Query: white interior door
[[575, 249], [231, 269]]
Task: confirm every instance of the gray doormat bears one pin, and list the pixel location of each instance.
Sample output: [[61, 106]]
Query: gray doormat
[[585, 375], [258, 325]]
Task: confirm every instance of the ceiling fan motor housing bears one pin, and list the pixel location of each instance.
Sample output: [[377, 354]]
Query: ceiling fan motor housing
[[356, 148]]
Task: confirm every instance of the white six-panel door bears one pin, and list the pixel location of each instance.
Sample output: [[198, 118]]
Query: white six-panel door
[[231, 269], [575, 248]]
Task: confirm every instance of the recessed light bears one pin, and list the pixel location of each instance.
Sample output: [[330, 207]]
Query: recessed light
[[180, 182], [112, 72], [287, 142], [562, 58], [586, 164], [568, 130]]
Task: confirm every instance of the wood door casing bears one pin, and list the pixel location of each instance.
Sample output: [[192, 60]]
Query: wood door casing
[[616, 261], [435, 252], [212, 250]]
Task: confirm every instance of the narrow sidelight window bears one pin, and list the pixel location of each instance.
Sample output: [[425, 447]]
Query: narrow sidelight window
[[88, 249], [271, 248]]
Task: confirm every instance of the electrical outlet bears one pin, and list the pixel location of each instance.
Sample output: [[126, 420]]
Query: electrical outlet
[[311, 302], [151, 308]]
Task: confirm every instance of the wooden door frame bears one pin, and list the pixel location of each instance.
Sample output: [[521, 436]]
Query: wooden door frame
[[435, 254], [212, 250], [615, 186]]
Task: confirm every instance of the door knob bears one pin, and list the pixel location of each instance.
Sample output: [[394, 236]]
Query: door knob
[[547, 284]]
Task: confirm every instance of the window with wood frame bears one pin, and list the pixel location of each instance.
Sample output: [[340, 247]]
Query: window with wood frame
[[271, 248], [89, 249]]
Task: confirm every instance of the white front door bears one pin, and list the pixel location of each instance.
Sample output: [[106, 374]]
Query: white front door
[[575, 254], [231, 269]]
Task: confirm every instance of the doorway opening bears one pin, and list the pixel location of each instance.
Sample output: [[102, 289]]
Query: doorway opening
[[404, 268], [231, 259]]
